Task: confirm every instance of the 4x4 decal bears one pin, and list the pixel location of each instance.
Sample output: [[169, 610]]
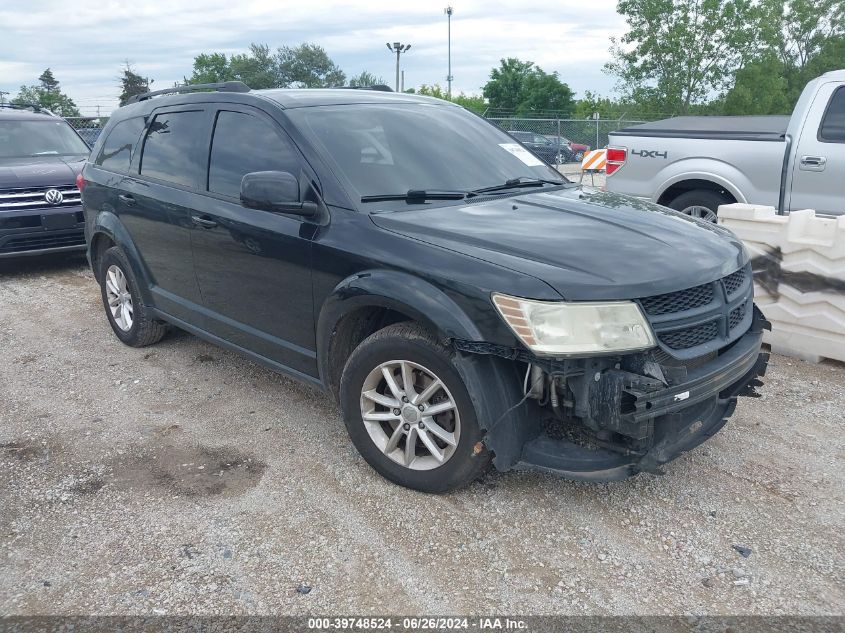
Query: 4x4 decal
[[646, 153]]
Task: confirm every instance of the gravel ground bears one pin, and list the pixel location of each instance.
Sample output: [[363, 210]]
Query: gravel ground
[[183, 479]]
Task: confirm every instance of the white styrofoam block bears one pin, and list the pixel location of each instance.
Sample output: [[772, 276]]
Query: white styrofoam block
[[799, 276]]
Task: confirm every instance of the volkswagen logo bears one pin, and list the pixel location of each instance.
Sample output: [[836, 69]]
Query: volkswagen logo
[[53, 196]]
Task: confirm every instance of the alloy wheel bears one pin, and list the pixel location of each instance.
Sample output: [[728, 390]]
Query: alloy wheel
[[410, 415], [701, 212], [119, 298]]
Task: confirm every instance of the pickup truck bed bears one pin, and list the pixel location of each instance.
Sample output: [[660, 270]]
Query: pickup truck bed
[[737, 128]]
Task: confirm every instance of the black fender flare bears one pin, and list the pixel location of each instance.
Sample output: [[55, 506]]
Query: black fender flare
[[493, 383], [108, 224], [393, 290]]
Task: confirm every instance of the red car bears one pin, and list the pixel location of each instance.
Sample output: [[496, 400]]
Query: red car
[[576, 150]]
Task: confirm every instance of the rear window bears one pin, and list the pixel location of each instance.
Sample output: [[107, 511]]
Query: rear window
[[833, 125], [116, 154], [171, 147]]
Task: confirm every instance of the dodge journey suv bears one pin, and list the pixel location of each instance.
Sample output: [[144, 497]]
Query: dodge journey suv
[[464, 303]]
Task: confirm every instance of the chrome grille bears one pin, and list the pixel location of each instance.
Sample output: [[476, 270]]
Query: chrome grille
[[35, 198]]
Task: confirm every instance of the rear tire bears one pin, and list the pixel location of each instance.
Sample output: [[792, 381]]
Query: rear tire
[[128, 316], [446, 452], [700, 203]]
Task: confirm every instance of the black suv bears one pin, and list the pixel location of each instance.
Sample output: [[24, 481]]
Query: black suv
[[461, 301], [550, 151], [40, 206]]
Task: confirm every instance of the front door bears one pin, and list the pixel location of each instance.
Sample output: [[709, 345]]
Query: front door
[[254, 267], [819, 164]]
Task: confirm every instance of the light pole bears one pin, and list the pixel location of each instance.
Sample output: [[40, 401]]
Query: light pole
[[398, 48], [448, 12]]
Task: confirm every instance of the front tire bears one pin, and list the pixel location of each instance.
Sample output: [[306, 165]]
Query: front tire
[[408, 411], [128, 316]]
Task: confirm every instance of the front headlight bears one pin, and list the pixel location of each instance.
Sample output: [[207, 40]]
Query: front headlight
[[558, 328]]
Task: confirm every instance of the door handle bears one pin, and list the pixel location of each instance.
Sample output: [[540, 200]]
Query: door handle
[[126, 199], [204, 222], [813, 163]]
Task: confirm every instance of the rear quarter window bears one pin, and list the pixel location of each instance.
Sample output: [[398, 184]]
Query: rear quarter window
[[117, 150], [832, 129]]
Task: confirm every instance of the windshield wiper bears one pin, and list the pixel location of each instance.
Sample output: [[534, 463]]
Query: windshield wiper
[[515, 183], [420, 195]]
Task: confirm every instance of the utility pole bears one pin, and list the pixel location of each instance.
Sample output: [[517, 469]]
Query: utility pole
[[2, 94], [448, 12], [402, 86], [398, 48]]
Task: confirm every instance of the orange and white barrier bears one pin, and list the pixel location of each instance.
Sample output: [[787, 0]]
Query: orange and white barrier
[[595, 160]]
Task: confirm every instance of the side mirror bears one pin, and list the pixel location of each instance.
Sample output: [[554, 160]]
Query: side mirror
[[274, 191]]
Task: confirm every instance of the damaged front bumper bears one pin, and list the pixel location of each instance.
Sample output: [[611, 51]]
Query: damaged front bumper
[[607, 419]]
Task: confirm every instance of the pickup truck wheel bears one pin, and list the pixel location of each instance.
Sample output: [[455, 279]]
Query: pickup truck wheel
[[409, 413], [700, 203], [126, 312]]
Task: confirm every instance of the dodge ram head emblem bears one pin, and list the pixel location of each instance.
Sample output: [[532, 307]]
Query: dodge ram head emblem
[[53, 196]]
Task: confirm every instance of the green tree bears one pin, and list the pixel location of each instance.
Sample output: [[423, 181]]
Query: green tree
[[48, 82], [258, 69], [677, 53], [543, 92], [210, 68], [505, 88], [47, 94], [365, 78], [798, 40], [522, 88], [474, 103], [308, 66], [131, 84]]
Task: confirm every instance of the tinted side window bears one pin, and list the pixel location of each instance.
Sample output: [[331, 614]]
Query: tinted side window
[[833, 124], [242, 144], [116, 154], [170, 148]]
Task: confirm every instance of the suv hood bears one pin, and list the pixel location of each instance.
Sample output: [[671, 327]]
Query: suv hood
[[39, 171], [585, 243]]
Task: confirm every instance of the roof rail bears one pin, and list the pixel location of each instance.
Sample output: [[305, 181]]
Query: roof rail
[[28, 106], [378, 87], [224, 86]]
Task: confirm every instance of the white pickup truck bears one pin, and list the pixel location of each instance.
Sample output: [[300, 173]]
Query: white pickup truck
[[694, 164]]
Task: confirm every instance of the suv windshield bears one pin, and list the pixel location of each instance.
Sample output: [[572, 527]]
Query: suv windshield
[[51, 137], [392, 149]]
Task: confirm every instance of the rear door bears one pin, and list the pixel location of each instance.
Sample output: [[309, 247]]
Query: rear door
[[254, 267], [156, 203], [819, 165]]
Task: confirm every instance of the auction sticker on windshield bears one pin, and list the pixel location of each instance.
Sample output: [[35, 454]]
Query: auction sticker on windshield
[[521, 153]]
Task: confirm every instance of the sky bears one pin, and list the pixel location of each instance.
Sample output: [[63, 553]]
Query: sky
[[86, 42]]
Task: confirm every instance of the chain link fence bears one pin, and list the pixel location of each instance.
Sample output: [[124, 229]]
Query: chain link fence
[[88, 127], [571, 137]]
